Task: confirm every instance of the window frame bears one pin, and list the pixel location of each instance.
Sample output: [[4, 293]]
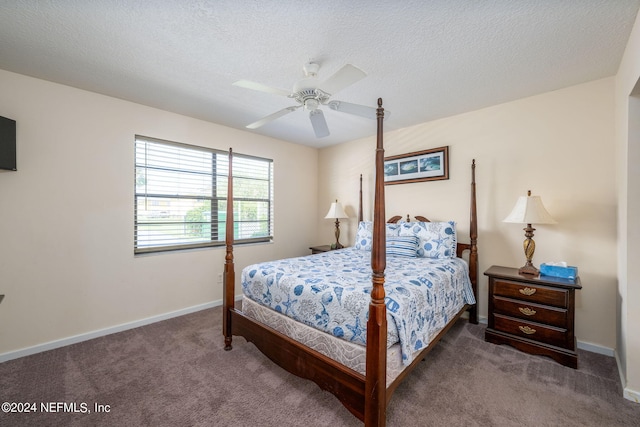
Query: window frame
[[213, 198]]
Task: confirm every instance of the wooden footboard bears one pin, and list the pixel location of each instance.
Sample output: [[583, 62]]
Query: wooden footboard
[[344, 383]]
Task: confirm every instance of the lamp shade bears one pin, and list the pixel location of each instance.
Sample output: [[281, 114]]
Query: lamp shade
[[529, 210], [336, 211]]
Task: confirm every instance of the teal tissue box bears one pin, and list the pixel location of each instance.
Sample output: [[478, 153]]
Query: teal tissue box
[[567, 272]]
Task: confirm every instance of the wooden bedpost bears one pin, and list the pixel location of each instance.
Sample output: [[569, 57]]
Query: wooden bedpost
[[375, 406], [360, 214], [229, 288], [473, 235]]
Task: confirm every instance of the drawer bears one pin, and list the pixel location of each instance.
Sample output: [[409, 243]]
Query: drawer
[[533, 331], [531, 293], [530, 311]]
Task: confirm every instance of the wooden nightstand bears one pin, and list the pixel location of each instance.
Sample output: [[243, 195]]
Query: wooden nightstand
[[533, 314], [320, 249]]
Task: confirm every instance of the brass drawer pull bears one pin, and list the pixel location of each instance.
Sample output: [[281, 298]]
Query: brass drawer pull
[[527, 311], [527, 330], [528, 291]]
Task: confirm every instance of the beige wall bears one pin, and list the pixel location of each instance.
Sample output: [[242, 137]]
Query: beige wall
[[628, 158], [559, 145], [66, 219]]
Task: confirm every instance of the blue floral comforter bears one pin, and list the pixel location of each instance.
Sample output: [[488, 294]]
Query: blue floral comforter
[[331, 292]]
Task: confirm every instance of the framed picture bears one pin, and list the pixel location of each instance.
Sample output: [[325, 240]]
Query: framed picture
[[427, 165]]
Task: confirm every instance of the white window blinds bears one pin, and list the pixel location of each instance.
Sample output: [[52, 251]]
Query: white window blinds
[[181, 196]]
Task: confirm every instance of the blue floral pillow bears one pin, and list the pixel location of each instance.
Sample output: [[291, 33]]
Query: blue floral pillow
[[402, 246], [435, 239], [364, 238], [364, 235]]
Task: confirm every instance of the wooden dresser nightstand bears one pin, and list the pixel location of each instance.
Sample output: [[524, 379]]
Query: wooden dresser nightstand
[[533, 314], [320, 249]]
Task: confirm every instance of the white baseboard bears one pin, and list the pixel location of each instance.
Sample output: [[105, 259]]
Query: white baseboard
[[102, 332], [595, 348], [628, 393], [632, 395]]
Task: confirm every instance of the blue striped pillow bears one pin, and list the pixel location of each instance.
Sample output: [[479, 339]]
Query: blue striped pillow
[[406, 246]]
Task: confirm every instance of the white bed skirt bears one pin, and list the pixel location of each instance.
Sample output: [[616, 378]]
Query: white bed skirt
[[347, 353]]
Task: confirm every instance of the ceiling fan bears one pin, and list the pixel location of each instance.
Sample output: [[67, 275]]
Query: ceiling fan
[[310, 94]]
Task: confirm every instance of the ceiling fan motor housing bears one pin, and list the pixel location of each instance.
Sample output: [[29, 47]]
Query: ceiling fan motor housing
[[311, 98]]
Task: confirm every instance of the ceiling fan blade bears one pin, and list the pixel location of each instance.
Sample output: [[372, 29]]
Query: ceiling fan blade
[[356, 109], [345, 76], [319, 123], [271, 117], [247, 84]]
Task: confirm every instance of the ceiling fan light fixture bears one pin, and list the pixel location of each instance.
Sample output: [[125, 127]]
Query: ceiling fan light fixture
[[311, 104]]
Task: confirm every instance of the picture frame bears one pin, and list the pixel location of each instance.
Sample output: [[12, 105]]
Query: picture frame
[[418, 166]]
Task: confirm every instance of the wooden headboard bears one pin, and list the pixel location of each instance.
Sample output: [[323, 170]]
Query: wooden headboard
[[397, 218]]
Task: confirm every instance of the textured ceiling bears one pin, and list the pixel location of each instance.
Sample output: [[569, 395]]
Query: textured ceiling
[[426, 59]]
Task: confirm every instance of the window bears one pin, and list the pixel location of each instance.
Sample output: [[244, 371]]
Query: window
[[181, 196]]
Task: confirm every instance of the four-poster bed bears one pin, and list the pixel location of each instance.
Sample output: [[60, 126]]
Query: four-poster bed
[[365, 391]]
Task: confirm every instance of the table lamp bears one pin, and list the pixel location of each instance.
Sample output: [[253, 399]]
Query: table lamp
[[336, 212], [529, 210]]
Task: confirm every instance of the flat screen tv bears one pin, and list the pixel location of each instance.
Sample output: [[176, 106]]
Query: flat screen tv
[[7, 144]]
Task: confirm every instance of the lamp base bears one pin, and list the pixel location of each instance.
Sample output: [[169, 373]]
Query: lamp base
[[337, 244], [529, 270], [529, 246]]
